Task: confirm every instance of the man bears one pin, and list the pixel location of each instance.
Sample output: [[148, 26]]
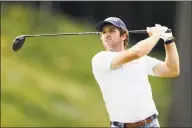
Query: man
[[122, 74]]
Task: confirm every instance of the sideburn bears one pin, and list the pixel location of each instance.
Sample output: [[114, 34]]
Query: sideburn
[[124, 32]]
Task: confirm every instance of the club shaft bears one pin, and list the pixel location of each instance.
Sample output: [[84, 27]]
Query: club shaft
[[59, 34], [138, 31], [86, 33], [80, 33]]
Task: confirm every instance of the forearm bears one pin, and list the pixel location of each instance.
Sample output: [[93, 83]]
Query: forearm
[[172, 57], [138, 50], [145, 46]]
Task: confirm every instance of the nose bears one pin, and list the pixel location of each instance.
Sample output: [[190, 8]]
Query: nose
[[107, 34]]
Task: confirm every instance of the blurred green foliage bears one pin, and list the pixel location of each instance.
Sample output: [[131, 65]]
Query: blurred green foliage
[[49, 82]]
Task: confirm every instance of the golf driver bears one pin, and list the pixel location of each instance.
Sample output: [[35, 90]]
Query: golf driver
[[19, 41]]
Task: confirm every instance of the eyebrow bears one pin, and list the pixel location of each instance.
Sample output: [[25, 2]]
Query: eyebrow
[[110, 27]]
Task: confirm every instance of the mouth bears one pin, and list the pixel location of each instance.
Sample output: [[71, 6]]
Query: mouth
[[107, 40]]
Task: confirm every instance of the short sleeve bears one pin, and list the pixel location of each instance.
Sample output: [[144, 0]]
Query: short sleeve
[[150, 63], [102, 61]]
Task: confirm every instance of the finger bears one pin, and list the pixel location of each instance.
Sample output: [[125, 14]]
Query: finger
[[164, 29], [157, 25], [148, 29]]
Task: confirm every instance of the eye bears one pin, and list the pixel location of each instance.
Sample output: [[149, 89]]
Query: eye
[[103, 32], [112, 30]]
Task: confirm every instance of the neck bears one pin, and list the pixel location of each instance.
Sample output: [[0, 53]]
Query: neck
[[117, 48]]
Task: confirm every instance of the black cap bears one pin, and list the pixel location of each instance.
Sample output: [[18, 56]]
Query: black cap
[[111, 20]]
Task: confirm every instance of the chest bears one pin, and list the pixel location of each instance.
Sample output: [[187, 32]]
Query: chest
[[133, 69]]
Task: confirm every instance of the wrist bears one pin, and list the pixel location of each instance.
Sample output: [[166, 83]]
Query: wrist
[[157, 35], [169, 40]]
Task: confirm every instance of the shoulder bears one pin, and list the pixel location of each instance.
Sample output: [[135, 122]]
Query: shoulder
[[102, 55], [98, 54], [146, 57], [142, 59], [150, 58], [151, 61]]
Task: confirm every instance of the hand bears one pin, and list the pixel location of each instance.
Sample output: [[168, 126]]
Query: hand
[[166, 36], [158, 30]]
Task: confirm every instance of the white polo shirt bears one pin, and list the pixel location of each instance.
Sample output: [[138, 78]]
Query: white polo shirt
[[126, 91]]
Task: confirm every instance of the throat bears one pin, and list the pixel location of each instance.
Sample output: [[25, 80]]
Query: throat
[[116, 49]]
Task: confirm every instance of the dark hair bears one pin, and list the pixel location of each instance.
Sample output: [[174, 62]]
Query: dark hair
[[122, 31]]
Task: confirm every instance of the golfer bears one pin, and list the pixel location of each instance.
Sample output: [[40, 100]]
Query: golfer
[[122, 74]]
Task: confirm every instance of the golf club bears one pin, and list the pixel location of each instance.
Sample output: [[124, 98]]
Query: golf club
[[19, 41]]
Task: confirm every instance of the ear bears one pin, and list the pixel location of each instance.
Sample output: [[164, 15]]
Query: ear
[[124, 36]]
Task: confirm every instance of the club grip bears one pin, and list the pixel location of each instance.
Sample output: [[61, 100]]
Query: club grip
[[144, 31]]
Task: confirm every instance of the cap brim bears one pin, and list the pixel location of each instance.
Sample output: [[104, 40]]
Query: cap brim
[[101, 24]]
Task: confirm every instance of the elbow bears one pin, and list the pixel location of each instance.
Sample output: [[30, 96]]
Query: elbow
[[133, 54], [174, 70], [139, 54], [176, 73]]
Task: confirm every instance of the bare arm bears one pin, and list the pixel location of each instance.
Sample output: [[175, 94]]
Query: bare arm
[[170, 68], [140, 49]]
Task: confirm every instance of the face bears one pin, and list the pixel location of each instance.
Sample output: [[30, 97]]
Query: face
[[111, 38]]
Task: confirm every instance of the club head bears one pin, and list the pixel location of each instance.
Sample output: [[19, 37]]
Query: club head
[[18, 42]]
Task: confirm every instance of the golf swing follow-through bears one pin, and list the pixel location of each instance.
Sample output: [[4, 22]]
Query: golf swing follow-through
[[122, 73]]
